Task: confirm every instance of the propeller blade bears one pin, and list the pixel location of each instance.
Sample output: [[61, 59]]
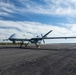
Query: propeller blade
[[41, 35], [13, 42], [43, 39]]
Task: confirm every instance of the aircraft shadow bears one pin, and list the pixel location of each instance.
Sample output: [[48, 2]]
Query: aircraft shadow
[[52, 49], [33, 48]]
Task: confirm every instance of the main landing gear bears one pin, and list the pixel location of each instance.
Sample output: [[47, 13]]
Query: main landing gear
[[26, 44]]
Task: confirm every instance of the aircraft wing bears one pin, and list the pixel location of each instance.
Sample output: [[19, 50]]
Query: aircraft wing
[[50, 38], [59, 38], [42, 38]]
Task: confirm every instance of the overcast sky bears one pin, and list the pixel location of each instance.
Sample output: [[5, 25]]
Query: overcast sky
[[33, 17]]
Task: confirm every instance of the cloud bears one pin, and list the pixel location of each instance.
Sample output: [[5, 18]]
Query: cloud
[[55, 8], [7, 28], [50, 7], [46, 7], [6, 9]]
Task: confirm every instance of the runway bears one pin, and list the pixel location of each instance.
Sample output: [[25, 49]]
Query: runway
[[50, 59]]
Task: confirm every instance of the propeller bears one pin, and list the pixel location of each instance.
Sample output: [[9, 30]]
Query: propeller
[[38, 36], [13, 42], [43, 39]]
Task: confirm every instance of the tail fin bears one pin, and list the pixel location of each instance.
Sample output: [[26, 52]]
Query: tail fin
[[47, 33]]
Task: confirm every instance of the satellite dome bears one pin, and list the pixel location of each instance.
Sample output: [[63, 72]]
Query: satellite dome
[[17, 36]]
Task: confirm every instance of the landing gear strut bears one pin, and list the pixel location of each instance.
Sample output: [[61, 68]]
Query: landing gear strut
[[38, 46], [26, 44], [21, 44]]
